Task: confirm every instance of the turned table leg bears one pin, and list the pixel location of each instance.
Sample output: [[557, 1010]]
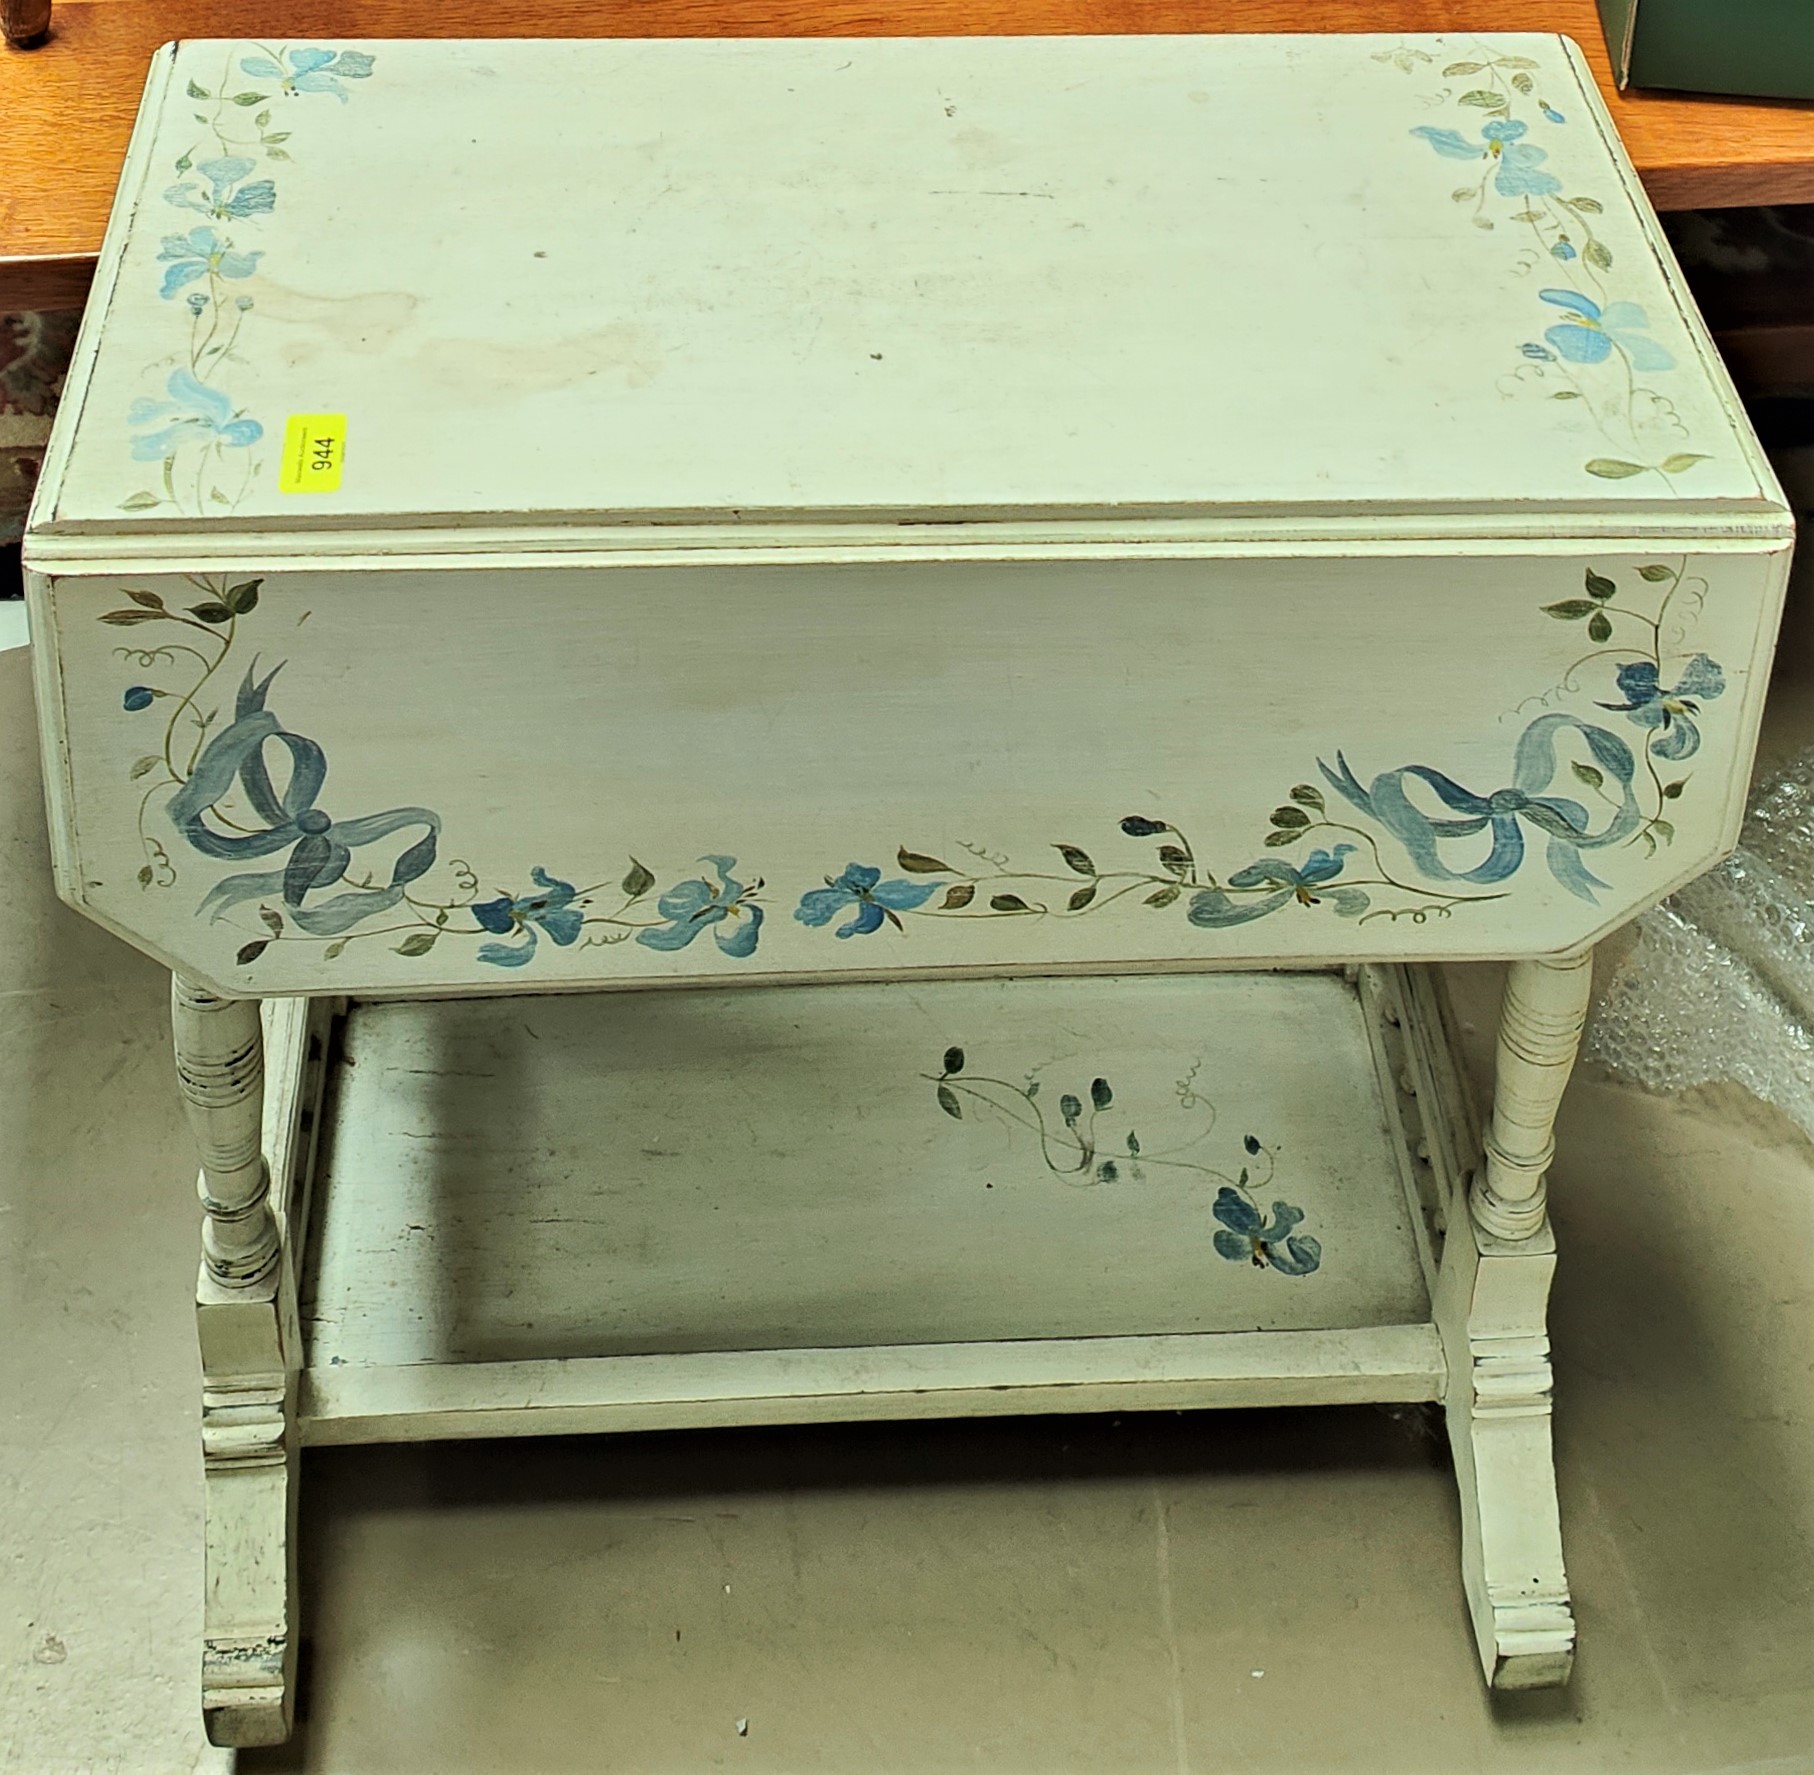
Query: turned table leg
[[245, 1320], [1492, 1303]]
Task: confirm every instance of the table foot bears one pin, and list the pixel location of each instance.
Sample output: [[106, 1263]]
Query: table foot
[[249, 1447], [1491, 1301]]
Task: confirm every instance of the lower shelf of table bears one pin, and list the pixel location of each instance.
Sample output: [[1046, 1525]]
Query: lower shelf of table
[[725, 1207]]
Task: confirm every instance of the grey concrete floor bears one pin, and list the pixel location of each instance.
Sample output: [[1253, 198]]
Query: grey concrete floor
[[1180, 1593]]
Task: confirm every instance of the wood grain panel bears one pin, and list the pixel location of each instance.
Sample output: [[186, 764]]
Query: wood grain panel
[[69, 105]]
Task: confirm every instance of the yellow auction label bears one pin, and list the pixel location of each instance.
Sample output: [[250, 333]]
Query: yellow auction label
[[314, 446]]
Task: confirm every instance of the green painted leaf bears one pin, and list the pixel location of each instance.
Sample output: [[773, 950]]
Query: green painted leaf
[[1672, 790], [1567, 394], [417, 943], [217, 497], [124, 619], [262, 119], [1163, 896], [211, 612], [1524, 83], [954, 1060], [1516, 61], [1081, 898], [250, 952], [1032, 1090], [1650, 844], [1175, 860], [1009, 903], [1133, 1144], [139, 502], [1292, 819], [333, 950], [1100, 1094], [1587, 774], [958, 897], [145, 876], [272, 921], [639, 880], [1663, 830], [183, 165], [1108, 1172], [148, 763], [1599, 627], [1462, 193], [1076, 859], [150, 600], [1276, 840], [276, 136], [1598, 254], [276, 154], [1590, 206], [1456, 69], [1610, 468], [243, 597], [1483, 98], [916, 864], [1070, 1108], [1656, 572], [1598, 585], [441, 916], [1683, 459], [1569, 610], [199, 92], [1308, 794], [248, 99], [1482, 223], [947, 1101]]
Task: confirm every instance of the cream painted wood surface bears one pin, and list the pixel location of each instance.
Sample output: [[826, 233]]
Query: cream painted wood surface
[[872, 276], [809, 771], [589, 1176], [889, 523]]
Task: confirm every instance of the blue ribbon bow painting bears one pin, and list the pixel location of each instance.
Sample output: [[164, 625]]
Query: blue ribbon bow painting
[[320, 848]]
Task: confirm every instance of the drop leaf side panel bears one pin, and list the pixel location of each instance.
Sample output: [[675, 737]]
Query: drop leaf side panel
[[485, 779]]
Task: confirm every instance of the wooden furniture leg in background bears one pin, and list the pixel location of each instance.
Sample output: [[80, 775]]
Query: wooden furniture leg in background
[[245, 1321], [1492, 1302]]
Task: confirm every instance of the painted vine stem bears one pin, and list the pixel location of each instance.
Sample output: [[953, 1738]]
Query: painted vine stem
[[1079, 1148], [1404, 844], [1596, 344], [200, 440], [1439, 824]]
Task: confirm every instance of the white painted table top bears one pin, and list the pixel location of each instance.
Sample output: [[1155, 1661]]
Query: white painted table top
[[1009, 276], [1362, 554]]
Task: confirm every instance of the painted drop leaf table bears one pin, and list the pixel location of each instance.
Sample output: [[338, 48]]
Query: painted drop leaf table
[[1043, 582]]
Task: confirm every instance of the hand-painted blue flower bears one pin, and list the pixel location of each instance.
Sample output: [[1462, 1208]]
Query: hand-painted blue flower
[[139, 696], [693, 906], [311, 70], [193, 410], [1216, 909], [549, 909], [1671, 711], [876, 900], [1594, 332], [1244, 1234], [1517, 164], [220, 200], [200, 253], [1563, 249]]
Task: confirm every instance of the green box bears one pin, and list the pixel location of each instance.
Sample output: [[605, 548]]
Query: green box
[[1754, 48]]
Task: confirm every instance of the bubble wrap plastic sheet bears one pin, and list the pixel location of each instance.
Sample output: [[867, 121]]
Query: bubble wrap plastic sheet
[[1721, 982]]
